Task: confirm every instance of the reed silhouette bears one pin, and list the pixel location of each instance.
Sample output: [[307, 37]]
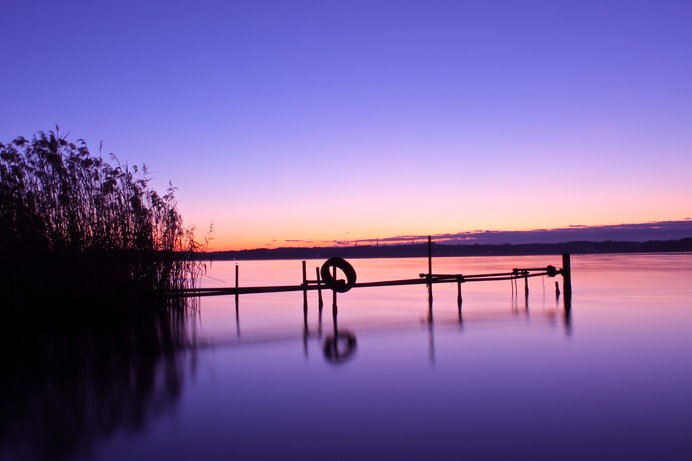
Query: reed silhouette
[[74, 227], [85, 351]]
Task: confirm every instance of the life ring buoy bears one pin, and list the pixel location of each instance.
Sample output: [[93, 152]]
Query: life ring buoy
[[340, 286]]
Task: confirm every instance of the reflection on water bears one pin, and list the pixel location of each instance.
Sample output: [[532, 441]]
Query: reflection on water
[[380, 374], [74, 382], [338, 346], [341, 344]]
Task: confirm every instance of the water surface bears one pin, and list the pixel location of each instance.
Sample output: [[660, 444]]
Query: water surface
[[509, 378]]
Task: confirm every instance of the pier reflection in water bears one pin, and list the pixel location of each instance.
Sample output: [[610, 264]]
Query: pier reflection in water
[[503, 377], [340, 344]]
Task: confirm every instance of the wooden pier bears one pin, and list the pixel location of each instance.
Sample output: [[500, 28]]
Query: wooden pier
[[326, 279]]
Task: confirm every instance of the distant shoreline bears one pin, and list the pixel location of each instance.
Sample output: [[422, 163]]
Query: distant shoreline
[[442, 250]]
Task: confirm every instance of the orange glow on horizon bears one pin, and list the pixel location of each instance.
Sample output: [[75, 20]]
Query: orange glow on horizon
[[233, 241]]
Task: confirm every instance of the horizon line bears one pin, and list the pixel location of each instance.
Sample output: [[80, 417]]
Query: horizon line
[[643, 231]]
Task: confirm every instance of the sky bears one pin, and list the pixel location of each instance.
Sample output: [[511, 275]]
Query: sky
[[633, 232], [331, 121]]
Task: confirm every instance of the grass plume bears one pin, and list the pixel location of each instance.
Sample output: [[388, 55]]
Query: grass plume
[[74, 226]]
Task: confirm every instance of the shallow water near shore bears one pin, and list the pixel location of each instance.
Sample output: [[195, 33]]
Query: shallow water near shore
[[508, 377]]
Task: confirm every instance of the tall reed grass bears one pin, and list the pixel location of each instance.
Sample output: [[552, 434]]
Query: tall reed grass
[[74, 227]]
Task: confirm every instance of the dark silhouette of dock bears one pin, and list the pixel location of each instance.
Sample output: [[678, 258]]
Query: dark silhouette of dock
[[326, 278]]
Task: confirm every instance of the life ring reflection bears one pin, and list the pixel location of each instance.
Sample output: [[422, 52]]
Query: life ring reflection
[[339, 347], [340, 286]]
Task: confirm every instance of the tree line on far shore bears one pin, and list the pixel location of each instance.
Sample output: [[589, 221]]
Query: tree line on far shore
[[421, 250]]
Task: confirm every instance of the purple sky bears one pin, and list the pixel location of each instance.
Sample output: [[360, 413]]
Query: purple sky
[[351, 120]]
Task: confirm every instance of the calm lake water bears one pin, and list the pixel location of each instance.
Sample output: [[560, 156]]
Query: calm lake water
[[509, 379]]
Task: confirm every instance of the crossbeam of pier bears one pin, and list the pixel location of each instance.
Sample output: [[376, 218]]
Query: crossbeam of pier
[[310, 285]]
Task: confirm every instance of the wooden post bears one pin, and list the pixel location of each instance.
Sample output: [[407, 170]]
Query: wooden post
[[320, 303], [567, 275], [305, 294], [459, 299], [237, 311], [430, 293], [567, 289], [526, 286], [334, 309], [557, 290], [236, 285]]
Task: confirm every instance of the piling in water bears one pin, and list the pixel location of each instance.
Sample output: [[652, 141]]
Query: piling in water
[[236, 285], [334, 308], [320, 303], [430, 292], [305, 292], [567, 275]]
